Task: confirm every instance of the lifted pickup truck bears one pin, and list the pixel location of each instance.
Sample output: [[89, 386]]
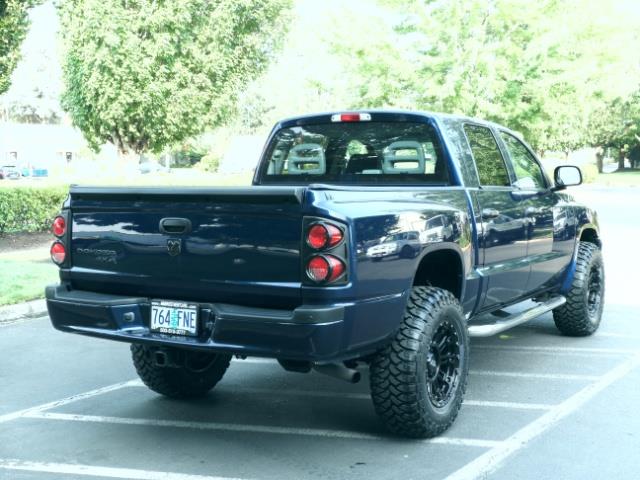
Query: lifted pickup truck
[[374, 239]]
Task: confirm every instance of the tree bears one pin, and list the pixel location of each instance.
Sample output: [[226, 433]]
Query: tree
[[538, 67], [617, 125], [14, 24], [147, 74]]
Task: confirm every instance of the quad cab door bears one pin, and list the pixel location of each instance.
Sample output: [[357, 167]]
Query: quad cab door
[[501, 221], [547, 215]]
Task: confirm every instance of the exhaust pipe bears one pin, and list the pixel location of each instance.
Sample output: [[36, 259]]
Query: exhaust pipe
[[339, 371]]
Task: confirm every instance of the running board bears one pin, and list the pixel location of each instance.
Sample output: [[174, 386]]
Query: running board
[[517, 319]]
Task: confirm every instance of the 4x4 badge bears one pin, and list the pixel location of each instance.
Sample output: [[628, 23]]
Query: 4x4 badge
[[174, 247]]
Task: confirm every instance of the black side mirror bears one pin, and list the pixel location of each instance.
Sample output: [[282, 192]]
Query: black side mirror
[[566, 176]]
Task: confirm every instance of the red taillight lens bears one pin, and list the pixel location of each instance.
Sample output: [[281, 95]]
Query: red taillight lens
[[337, 268], [325, 268], [318, 269], [58, 253], [351, 117], [317, 237], [59, 226], [324, 236]]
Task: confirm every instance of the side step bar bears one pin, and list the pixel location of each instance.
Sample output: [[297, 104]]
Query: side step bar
[[516, 319]]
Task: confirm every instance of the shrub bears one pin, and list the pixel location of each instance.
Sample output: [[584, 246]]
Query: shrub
[[29, 209], [589, 173], [209, 163]]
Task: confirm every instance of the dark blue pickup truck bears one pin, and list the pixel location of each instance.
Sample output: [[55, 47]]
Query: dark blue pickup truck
[[380, 239]]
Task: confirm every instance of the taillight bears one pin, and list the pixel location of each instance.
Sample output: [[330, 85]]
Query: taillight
[[325, 268], [323, 235], [59, 226], [58, 253]]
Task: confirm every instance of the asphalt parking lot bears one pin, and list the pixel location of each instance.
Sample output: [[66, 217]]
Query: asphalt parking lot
[[538, 405]]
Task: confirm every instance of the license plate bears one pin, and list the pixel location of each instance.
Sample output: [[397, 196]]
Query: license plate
[[174, 318]]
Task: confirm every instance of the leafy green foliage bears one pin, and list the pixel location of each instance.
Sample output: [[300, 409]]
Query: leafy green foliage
[[188, 154], [539, 68], [14, 24], [144, 74], [29, 209], [210, 162], [589, 173], [617, 124]]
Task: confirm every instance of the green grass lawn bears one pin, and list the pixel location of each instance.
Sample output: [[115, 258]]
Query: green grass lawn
[[626, 178], [24, 280]]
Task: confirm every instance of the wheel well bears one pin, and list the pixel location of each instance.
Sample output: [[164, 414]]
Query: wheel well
[[442, 269], [591, 236]]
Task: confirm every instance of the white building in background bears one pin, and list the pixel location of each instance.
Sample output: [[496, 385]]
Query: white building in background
[[39, 146]]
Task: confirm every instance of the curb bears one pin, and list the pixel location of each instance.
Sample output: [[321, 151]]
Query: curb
[[34, 308]]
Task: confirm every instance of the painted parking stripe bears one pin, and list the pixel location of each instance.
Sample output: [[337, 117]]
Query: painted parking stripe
[[97, 471], [65, 401], [557, 350], [510, 405], [617, 335], [235, 427], [546, 376], [491, 373], [491, 460]]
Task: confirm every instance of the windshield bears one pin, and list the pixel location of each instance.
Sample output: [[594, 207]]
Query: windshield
[[356, 153]]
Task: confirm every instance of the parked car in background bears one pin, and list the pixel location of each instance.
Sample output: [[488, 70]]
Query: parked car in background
[[152, 167], [437, 229], [9, 172], [404, 244], [34, 172]]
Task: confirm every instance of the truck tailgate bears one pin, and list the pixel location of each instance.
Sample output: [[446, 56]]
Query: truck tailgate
[[216, 245]]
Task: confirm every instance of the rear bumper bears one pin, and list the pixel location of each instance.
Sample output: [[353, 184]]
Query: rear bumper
[[312, 333]]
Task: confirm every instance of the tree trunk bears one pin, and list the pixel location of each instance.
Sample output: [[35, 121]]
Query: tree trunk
[[621, 159], [128, 162], [599, 159]]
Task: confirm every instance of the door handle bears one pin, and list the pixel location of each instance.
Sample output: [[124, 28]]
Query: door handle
[[490, 213], [175, 226]]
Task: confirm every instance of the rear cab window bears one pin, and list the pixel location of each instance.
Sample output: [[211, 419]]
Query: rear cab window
[[366, 152]]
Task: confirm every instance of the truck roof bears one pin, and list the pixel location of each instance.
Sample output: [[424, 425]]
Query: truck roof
[[324, 116]]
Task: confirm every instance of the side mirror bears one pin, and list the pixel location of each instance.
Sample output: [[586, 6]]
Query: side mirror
[[566, 176]]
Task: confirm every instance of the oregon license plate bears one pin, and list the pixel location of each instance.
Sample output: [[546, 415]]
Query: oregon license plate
[[174, 318]]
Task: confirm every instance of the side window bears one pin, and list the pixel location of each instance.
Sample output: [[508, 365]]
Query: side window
[[491, 167], [528, 172]]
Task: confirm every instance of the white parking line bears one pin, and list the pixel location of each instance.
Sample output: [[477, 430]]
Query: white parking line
[[511, 405], [617, 335], [547, 376], [488, 462], [65, 401], [366, 396], [233, 427], [491, 373], [105, 472], [558, 350]]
